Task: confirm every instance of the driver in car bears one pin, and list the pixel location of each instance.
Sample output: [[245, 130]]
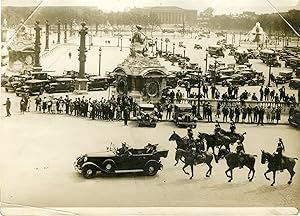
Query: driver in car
[[123, 150]]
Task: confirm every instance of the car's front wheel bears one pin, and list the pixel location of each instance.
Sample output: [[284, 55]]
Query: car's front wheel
[[109, 165], [89, 172], [151, 168]]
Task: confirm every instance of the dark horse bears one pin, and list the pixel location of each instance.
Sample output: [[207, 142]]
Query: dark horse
[[233, 136], [182, 143], [211, 142], [247, 160], [286, 163], [191, 160]]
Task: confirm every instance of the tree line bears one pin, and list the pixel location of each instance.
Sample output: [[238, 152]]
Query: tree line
[[93, 15]]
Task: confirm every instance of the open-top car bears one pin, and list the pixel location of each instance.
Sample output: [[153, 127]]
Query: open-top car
[[124, 159], [284, 77], [183, 116], [146, 116]]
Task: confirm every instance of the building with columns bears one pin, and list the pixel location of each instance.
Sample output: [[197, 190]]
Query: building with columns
[[170, 15]]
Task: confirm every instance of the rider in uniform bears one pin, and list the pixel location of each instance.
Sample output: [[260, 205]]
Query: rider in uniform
[[232, 127], [278, 154], [240, 150], [191, 141], [217, 132]]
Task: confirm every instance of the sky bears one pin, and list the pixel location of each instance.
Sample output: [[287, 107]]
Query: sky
[[220, 6]]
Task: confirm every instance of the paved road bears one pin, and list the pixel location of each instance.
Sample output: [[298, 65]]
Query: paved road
[[38, 151]]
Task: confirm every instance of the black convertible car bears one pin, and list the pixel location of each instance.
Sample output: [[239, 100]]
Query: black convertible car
[[126, 159]]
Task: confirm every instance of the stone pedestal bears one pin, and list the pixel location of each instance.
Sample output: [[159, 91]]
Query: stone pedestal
[[81, 86]]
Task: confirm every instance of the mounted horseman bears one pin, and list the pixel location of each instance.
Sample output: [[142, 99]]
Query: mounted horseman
[[277, 161]]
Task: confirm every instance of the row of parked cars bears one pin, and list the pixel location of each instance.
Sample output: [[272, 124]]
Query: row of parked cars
[[40, 82], [182, 116]]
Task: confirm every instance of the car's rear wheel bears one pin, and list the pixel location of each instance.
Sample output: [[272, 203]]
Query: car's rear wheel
[[109, 165], [151, 168], [89, 172]]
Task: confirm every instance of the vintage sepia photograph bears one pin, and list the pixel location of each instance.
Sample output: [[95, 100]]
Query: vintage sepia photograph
[[150, 106]]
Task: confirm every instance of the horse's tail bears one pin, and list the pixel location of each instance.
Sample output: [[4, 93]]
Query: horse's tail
[[244, 133], [295, 158]]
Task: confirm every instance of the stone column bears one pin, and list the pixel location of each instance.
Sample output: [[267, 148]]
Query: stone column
[[47, 36], [81, 81], [37, 48], [58, 32], [65, 31]]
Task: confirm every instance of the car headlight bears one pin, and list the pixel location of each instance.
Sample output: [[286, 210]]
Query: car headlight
[[139, 117], [179, 118], [195, 119], [85, 159]]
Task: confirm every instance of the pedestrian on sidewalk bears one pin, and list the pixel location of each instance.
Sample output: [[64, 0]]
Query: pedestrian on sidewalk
[[169, 111], [8, 105]]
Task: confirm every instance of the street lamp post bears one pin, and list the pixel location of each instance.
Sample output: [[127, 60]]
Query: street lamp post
[[184, 52], [58, 32], [100, 50], [156, 44], [37, 47], [47, 36], [121, 42], [152, 45], [215, 70], [199, 83], [173, 54], [206, 59], [161, 42], [166, 47], [118, 40], [65, 33], [270, 68]]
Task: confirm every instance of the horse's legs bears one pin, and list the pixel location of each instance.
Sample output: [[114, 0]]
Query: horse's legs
[[265, 174], [292, 173], [274, 175], [183, 168], [249, 173], [208, 173], [231, 176], [213, 148], [253, 172], [226, 172], [192, 169]]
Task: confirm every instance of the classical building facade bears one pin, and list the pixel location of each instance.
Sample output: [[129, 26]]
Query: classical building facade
[[170, 15]]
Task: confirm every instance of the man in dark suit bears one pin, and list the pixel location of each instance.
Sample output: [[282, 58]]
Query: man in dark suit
[[126, 115]]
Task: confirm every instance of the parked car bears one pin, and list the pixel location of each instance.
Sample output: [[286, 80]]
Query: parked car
[[61, 85], [294, 119], [146, 160], [216, 51], [31, 87], [171, 80], [15, 81], [97, 83], [294, 83], [241, 56], [183, 116], [146, 116], [284, 77], [197, 46]]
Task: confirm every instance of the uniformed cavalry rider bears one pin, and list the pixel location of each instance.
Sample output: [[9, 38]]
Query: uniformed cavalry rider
[[240, 150], [278, 154], [232, 127], [191, 141], [217, 132]]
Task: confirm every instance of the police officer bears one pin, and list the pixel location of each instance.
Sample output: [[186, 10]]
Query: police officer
[[232, 127], [278, 154], [240, 150]]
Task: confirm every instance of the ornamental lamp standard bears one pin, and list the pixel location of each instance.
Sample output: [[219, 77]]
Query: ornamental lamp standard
[[37, 47], [173, 54], [161, 43], [206, 59], [47, 36], [152, 44], [270, 68], [121, 42], [199, 84], [166, 47], [100, 50]]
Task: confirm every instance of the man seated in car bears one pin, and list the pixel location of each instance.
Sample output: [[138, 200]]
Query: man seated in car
[[124, 150]]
